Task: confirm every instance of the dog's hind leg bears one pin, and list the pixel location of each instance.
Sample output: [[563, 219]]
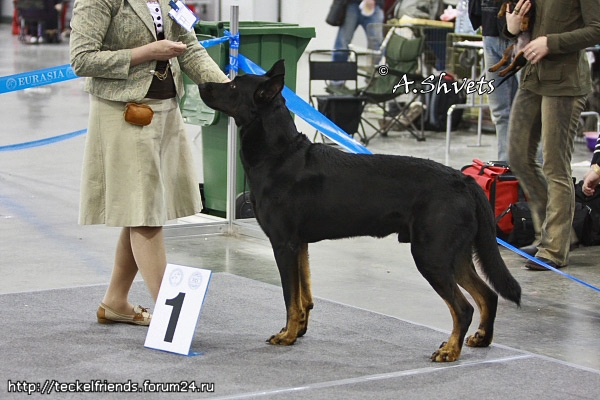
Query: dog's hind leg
[[462, 314], [435, 266], [305, 290], [287, 256], [486, 300], [514, 67], [504, 60]]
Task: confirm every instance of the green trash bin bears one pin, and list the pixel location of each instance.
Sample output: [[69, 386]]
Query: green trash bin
[[264, 43]]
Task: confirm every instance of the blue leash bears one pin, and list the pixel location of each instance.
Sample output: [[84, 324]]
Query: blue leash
[[543, 264]]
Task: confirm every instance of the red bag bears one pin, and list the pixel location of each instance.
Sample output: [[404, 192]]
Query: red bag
[[500, 186]]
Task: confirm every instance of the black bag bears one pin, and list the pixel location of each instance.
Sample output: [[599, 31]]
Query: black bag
[[586, 220], [439, 101], [337, 13], [523, 233]]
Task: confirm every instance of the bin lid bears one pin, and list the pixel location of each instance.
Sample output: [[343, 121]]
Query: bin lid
[[216, 28]]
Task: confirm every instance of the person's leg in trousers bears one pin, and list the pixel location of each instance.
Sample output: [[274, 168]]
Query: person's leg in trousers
[[373, 26], [346, 32], [524, 138], [560, 118], [501, 98]]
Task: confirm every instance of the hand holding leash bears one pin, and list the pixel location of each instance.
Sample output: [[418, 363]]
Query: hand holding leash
[[514, 18]]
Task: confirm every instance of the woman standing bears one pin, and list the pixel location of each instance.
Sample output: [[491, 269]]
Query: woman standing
[[552, 92], [138, 170]]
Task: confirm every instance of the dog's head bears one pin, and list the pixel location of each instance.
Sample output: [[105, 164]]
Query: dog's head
[[245, 96]]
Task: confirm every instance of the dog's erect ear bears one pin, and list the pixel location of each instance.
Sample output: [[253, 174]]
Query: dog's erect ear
[[277, 69], [267, 90]]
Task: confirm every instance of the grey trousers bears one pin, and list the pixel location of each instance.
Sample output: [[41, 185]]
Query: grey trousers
[[551, 120]]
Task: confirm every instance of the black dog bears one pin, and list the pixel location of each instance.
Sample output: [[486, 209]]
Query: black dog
[[304, 192], [513, 55]]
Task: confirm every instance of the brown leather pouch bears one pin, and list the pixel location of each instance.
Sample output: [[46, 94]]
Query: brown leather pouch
[[138, 114]]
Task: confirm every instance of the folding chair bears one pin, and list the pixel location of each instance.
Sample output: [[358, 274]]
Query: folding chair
[[342, 106], [396, 85]]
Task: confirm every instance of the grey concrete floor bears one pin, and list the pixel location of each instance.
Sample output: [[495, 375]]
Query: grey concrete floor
[[42, 246]]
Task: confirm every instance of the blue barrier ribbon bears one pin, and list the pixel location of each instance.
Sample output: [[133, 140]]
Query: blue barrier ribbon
[[42, 142], [308, 113], [36, 78], [543, 264], [234, 43], [213, 42]]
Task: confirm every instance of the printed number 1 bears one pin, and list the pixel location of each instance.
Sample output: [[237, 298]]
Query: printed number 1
[[176, 303]]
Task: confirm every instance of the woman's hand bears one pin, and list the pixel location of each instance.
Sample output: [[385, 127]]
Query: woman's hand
[[514, 18], [537, 49], [161, 50]]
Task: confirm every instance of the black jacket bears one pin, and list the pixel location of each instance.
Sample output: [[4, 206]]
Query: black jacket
[[484, 13]]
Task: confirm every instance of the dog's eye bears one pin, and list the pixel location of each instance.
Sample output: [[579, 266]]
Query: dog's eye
[[232, 85]]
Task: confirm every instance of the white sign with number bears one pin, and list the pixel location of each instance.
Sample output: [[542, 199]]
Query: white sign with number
[[177, 309]]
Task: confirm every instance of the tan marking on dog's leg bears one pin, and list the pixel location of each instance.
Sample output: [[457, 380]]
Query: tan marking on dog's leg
[[512, 66], [525, 24], [289, 334], [486, 300], [504, 60], [450, 350], [305, 288], [502, 10]]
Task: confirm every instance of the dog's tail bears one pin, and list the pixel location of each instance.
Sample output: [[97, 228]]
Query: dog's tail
[[487, 250]]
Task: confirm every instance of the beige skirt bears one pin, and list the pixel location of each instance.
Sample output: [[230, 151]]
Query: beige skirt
[[134, 175]]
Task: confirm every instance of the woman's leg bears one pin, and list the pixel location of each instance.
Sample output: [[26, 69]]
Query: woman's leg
[[124, 271], [140, 248], [524, 136], [560, 119], [148, 247]]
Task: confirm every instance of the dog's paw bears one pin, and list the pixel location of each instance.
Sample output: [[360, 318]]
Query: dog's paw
[[479, 339], [445, 354], [283, 338]]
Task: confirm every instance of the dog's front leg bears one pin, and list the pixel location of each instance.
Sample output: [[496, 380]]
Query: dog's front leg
[[306, 292], [286, 256]]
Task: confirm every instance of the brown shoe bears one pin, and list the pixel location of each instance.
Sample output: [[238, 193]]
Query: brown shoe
[[106, 315], [531, 249], [532, 265]]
